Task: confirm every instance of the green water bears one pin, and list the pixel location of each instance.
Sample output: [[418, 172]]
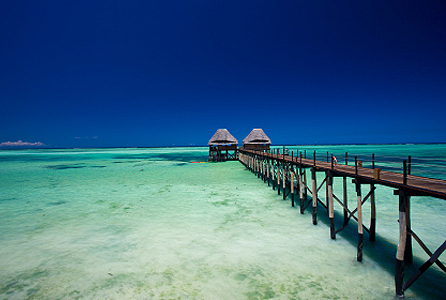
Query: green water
[[148, 224]]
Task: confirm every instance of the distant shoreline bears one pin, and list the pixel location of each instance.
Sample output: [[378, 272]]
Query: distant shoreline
[[205, 146]]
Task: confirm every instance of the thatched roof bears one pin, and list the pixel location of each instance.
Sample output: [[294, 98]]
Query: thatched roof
[[257, 136], [222, 137]]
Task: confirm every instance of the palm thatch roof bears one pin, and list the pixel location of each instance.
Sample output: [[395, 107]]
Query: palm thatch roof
[[222, 137], [258, 137]]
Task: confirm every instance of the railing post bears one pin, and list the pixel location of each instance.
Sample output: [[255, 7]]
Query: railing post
[[404, 172], [283, 153], [409, 165]]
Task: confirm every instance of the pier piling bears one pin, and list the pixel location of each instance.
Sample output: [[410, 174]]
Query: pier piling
[[314, 194], [360, 227]]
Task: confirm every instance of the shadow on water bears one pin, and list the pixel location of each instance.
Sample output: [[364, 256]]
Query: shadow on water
[[383, 252], [181, 157], [57, 203], [64, 167]]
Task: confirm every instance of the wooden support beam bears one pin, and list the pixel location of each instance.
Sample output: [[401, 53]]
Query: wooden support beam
[[345, 199], [425, 266], [399, 268], [322, 184], [360, 228], [330, 204], [408, 255], [301, 188], [428, 252], [314, 194], [292, 186], [268, 171], [259, 167], [350, 214], [372, 213], [273, 171], [284, 171], [326, 190]]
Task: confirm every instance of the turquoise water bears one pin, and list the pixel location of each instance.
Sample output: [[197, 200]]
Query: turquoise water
[[148, 224]]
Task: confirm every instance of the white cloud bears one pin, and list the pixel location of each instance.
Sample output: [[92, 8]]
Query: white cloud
[[19, 143]]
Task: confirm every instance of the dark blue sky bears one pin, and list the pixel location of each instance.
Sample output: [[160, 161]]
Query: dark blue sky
[[162, 73]]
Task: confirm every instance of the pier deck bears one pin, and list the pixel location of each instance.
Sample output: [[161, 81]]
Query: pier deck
[[288, 173], [418, 186]]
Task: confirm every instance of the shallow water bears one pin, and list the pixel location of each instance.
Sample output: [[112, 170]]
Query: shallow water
[[148, 224]]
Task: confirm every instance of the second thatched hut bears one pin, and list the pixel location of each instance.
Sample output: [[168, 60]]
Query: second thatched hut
[[257, 140], [222, 146]]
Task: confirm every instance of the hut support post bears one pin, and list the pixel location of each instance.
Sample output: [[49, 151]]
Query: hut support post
[[278, 178], [330, 204], [359, 215], [314, 194]]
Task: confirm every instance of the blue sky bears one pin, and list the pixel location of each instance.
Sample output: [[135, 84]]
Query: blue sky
[[162, 73]]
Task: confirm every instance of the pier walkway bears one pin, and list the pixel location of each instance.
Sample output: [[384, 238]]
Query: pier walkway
[[288, 173], [418, 186]]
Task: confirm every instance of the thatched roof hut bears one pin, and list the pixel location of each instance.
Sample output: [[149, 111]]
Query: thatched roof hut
[[222, 146], [222, 137], [257, 139]]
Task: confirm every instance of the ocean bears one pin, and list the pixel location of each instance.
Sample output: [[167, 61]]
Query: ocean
[[146, 223]]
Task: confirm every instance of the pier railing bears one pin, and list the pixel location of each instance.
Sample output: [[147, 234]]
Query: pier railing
[[392, 171]]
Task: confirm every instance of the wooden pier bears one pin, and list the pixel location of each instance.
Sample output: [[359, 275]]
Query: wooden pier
[[288, 174]]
